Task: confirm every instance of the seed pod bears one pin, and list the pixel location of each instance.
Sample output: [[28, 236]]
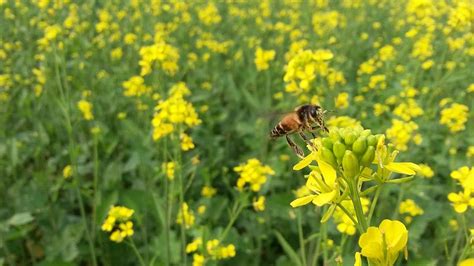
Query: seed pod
[[368, 156], [327, 142], [338, 148], [360, 145], [350, 164], [349, 138], [371, 140], [328, 156]]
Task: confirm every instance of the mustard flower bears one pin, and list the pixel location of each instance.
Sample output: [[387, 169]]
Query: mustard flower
[[208, 191], [118, 223], [342, 100], [455, 117], [67, 171], [209, 15], [382, 245], [185, 216], [135, 86], [86, 109], [254, 173], [259, 203], [462, 200], [186, 142], [262, 58]]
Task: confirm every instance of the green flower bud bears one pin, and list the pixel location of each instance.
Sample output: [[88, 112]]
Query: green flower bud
[[371, 140], [327, 142], [338, 148], [350, 164], [349, 138], [360, 145], [334, 135], [366, 132], [368, 156], [328, 156]]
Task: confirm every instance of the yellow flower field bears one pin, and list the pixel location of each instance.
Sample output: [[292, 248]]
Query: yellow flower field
[[147, 132]]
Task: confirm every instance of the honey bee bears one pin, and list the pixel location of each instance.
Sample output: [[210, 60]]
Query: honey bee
[[307, 117]]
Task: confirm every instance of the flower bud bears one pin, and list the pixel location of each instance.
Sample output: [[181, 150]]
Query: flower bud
[[360, 145], [371, 140], [350, 164], [349, 138], [368, 156], [366, 132], [338, 148], [328, 156], [327, 142], [334, 134]]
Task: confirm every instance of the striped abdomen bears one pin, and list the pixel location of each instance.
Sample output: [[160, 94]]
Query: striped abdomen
[[287, 125]]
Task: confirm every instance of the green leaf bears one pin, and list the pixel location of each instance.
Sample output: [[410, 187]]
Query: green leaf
[[20, 219], [288, 249]]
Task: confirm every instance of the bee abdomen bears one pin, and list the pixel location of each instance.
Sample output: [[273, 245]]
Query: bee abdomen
[[278, 131]]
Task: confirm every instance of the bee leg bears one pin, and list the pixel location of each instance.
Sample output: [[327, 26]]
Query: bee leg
[[305, 138], [298, 151]]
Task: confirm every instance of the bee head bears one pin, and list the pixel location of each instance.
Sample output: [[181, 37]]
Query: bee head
[[315, 111]]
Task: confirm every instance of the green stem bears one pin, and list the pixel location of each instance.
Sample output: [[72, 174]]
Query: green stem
[[373, 204], [94, 188], [135, 250], [235, 214], [177, 150], [355, 197], [454, 251], [73, 159], [349, 215], [301, 238]]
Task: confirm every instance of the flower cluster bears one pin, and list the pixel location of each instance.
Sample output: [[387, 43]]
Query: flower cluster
[[212, 251], [455, 117], [465, 198], [118, 222], [86, 109], [410, 209], [135, 86], [344, 222], [162, 53], [262, 58], [185, 216], [254, 173], [306, 66], [172, 112]]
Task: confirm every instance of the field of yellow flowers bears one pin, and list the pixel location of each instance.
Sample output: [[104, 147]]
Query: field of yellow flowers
[[137, 132]]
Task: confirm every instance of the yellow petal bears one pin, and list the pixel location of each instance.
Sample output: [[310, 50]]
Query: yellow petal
[[396, 235], [373, 250], [468, 262], [304, 162], [460, 208], [302, 201], [373, 234], [402, 168], [324, 198], [328, 173], [357, 259]]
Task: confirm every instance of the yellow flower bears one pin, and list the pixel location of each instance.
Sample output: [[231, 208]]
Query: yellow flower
[[426, 171], [323, 184], [67, 171], [86, 109], [409, 206], [461, 201], [169, 169], [467, 262], [127, 229], [186, 142], [259, 204], [116, 236], [209, 15], [135, 86], [402, 132], [254, 173], [382, 245], [193, 246], [342, 100], [465, 177], [118, 222], [455, 117], [185, 216], [198, 260], [262, 57], [208, 191]]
